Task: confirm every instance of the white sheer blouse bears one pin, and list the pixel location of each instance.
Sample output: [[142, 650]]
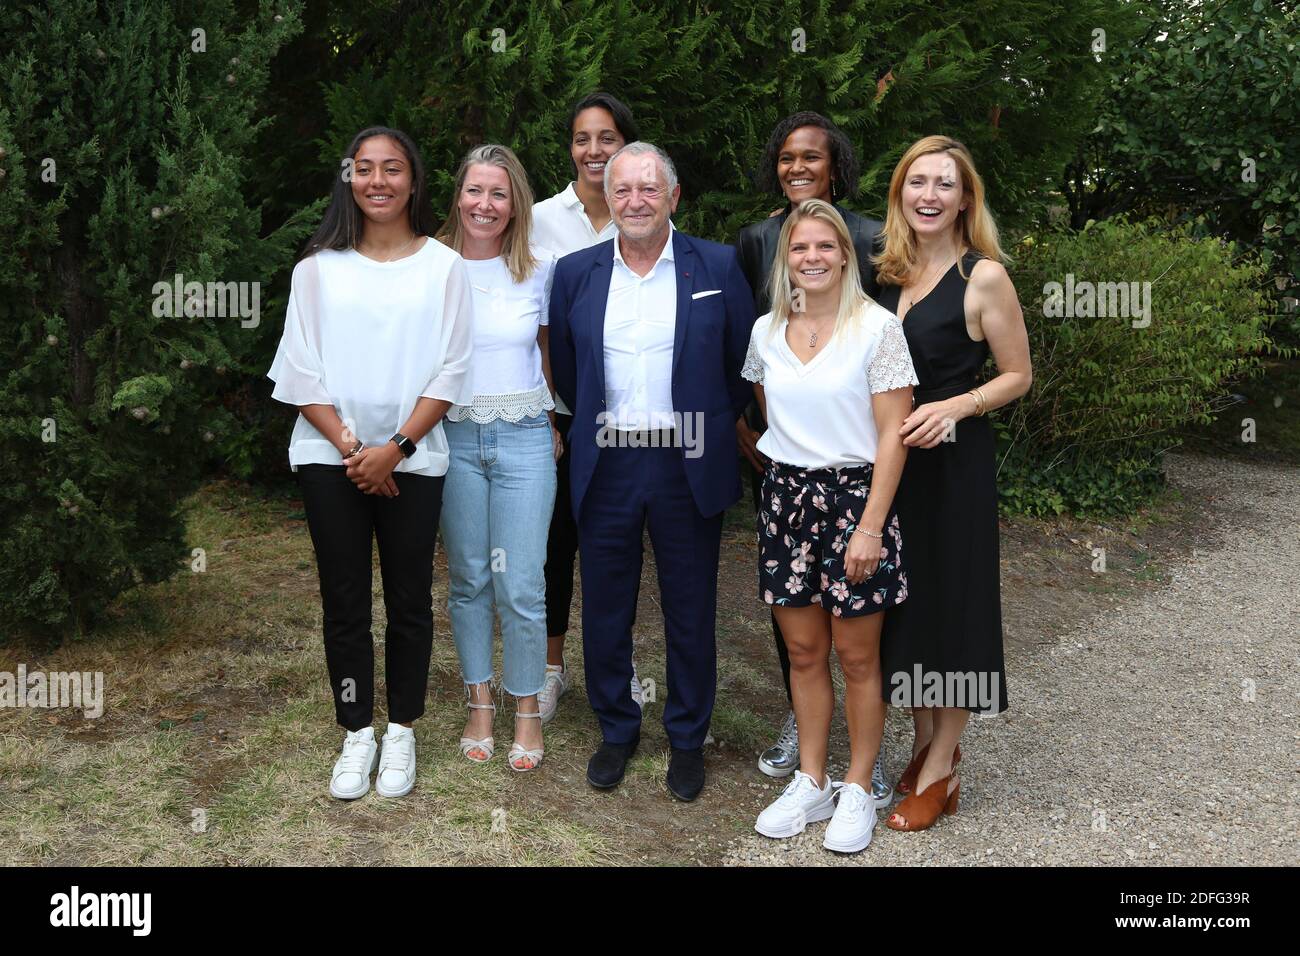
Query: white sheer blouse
[[371, 338], [819, 414]]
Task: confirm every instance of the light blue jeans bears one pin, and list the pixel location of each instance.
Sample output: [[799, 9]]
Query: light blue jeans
[[496, 514]]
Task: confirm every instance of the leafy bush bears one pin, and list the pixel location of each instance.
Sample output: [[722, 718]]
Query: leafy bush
[[1110, 389]]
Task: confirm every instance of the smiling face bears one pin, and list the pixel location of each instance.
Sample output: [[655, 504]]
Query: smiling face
[[595, 139], [815, 259], [485, 203], [639, 198], [932, 194], [803, 167], [381, 179]]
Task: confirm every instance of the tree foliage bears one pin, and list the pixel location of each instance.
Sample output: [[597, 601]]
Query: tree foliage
[[126, 162], [1201, 124]]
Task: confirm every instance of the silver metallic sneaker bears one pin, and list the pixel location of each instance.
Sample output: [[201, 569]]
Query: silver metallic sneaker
[[782, 758], [882, 791]]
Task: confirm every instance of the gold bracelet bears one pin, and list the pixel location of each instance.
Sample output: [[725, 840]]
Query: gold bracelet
[[984, 402], [975, 395], [869, 534]]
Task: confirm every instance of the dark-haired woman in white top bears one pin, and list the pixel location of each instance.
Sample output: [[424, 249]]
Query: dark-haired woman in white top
[[375, 350]]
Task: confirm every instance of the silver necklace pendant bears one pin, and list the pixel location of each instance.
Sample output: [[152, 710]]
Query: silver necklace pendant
[[812, 340]]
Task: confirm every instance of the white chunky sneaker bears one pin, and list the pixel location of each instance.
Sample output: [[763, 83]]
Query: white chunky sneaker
[[638, 693], [854, 819], [351, 777], [801, 803], [553, 688], [397, 762]]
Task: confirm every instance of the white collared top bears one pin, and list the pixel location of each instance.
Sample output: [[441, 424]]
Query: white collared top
[[819, 414], [561, 225], [370, 338], [508, 380], [640, 319]]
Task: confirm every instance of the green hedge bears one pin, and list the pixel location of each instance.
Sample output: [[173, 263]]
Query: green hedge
[[1107, 395]]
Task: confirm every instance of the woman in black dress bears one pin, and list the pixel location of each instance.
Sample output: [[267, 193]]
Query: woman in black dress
[[941, 273], [806, 157]]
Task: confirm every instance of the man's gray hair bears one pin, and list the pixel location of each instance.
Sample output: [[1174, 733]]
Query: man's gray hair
[[640, 148]]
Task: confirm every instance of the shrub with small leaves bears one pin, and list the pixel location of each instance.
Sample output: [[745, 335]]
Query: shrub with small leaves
[[1109, 390]]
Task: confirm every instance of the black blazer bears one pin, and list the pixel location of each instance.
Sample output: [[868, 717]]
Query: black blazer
[[756, 247]]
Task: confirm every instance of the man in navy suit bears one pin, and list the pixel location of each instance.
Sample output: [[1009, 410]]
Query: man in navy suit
[[648, 333]]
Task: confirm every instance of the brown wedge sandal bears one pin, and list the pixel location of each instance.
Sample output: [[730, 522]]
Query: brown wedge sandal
[[920, 811], [908, 780]]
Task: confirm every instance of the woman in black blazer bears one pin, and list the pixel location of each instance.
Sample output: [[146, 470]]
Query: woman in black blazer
[[807, 157]]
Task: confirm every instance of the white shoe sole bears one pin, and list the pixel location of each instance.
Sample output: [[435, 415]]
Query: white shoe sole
[[773, 771], [395, 793], [365, 787], [856, 845], [794, 829], [845, 847]]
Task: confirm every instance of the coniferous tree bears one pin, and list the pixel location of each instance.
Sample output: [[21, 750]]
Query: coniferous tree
[[126, 133]]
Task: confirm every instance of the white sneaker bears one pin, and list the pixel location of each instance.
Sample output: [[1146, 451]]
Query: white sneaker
[[397, 763], [854, 819], [553, 688], [638, 693], [351, 777], [801, 803]]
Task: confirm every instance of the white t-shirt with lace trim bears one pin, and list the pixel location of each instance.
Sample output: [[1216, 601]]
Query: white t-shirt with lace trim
[[819, 414], [508, 380]]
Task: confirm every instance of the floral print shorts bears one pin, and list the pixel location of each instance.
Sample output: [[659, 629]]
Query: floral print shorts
[[805, 519]]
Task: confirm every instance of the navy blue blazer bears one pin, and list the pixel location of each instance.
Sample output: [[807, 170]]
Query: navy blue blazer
[[710, 340]]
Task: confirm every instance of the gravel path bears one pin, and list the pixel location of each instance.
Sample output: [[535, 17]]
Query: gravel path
[[1131, 739]]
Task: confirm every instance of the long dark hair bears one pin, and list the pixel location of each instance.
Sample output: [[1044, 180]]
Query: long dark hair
[[342, 225], [844, 162]]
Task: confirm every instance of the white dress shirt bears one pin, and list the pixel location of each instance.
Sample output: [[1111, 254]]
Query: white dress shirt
[[819, 414], [640, 319], [371, 338]]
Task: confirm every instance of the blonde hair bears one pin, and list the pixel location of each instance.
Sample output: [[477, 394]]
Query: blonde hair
[[975, 226], [852, 298], [514, 243]]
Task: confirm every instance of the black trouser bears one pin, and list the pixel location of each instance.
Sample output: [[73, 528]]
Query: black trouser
[[342, 521], [755, 419], [561, 543]]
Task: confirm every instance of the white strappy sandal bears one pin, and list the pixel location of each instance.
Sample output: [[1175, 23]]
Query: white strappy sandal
[[519, 752], [487, 744]]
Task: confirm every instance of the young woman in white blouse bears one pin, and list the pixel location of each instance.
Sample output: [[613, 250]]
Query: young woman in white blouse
[[375, 350], [501, 486], [833, 377]]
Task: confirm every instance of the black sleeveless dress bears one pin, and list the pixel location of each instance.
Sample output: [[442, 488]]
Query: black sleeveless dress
[[943, 645]]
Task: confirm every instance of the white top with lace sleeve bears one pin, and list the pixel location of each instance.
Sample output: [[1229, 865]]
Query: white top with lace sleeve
[[819, 414]]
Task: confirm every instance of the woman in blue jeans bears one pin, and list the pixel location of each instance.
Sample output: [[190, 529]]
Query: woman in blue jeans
[[500, 487]]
